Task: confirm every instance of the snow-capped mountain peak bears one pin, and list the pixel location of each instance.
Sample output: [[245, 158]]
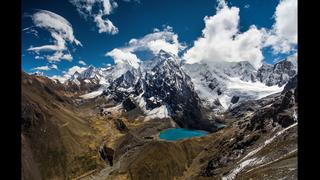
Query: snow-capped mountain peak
[[167, 82], [218, 84], [164, 55], [90, 72], [75, 75], [279, 73], [244, 70]]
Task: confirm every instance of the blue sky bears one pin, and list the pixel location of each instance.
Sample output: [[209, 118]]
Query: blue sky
[[134, 19]]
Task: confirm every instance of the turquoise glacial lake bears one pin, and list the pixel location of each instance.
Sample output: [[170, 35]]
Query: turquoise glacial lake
[[174, 134]]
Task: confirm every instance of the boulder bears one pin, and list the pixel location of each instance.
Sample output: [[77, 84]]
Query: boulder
[[107, 154], [128, 105], [284, 119], [120, 125], [235, 99]]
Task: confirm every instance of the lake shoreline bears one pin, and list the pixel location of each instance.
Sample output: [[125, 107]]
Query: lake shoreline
[[176, 134]]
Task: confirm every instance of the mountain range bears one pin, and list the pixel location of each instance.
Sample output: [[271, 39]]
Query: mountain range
[[103, 123], [166, 85]]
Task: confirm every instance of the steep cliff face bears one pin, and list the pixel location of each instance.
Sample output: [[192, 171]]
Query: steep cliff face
[[167, 84], [278, 74]]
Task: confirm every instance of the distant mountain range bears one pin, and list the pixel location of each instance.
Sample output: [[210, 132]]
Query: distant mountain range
[[167, 86]]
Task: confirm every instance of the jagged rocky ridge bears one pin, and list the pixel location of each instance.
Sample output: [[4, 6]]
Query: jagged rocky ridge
[[278, 74], [91, 79], [222, 83], [161, 85]]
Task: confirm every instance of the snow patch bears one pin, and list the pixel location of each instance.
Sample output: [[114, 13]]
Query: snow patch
[[115, 108], [255, 161], [246, 91], [265, 164], [141, 102], [268, 141], [159, 112], [241, 166], [261, 89], [76, 82], [103, 82], [92, 94]]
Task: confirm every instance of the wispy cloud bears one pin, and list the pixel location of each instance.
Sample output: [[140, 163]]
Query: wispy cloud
[[31, 30], [42, 68], [39, 57], [86, 9], [46, 68], [138, 1], [53, 66], [61, 31], [82, 62], [247, 6]]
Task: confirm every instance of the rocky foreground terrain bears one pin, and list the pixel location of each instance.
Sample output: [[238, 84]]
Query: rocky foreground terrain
[[69, 134]]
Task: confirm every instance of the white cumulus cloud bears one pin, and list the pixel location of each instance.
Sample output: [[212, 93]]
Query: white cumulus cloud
[[124, 57], [105, 7], [166, 40], [284, 35], [61, 31], [221, 40], [105, 25]]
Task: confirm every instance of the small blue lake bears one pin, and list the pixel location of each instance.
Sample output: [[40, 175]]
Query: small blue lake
[[174, 134]]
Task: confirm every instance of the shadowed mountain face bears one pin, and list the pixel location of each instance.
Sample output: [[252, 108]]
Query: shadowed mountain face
[[167, 84], [40, 136], [55, 137], [278, 74]]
